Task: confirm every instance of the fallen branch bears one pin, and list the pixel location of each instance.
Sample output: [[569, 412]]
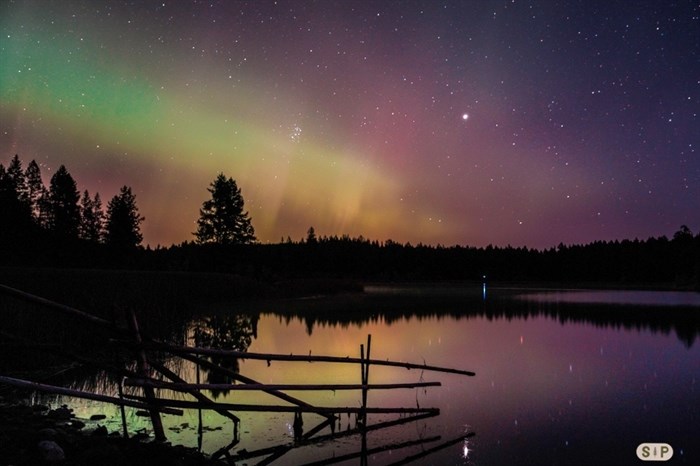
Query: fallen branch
[[192, 391], [291, 357], [187, 387], [39, 387], [323, 410], [63, 309]]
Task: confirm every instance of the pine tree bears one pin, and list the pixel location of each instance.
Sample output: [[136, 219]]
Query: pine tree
[[17, 181], [123, 221], [311, 236], [222, 219], [35, 189], [64, 217], [91, 218], [15, 213], [44, 212]]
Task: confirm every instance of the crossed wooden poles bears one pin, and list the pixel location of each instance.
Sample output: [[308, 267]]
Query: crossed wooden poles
[[155, 405]]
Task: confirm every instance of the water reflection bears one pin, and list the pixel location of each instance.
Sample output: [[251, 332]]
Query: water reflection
[[615, 297], [557, 382], [223, 331], [663, 312], [544, 392]]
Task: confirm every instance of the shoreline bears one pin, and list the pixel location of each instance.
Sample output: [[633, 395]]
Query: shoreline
[[34, 434]]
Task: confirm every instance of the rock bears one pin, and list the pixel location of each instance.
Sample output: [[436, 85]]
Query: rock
[[51, 452], [76, 424], [48, 433], [100, 431], [63, 413], [140, 436]]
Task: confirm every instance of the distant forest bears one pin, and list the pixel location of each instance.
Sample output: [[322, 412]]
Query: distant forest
[[60, 227]]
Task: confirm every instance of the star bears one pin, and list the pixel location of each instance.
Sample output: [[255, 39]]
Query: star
[[465, 116]]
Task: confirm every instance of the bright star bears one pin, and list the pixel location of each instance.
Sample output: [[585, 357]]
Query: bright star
[[465, 116]]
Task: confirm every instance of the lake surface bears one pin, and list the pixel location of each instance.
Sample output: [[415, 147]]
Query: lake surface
[[561, 377]]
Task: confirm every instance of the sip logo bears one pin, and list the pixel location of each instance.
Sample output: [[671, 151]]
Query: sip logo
[[654, 452]]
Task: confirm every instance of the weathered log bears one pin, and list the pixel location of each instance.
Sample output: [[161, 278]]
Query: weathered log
[[40, 387], [58, 350], [292, 357], [323, 410], [247, 380], [157, 423], [187, 387], [178, 381], [63, 308]]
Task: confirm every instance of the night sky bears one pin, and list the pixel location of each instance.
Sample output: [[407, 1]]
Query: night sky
[[456, 122]]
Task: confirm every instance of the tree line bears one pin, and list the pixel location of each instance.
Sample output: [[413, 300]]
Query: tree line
[[62, 211], [57, 226], [59, 211], [655, 262]]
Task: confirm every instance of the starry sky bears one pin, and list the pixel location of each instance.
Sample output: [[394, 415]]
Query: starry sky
[[527, 123]]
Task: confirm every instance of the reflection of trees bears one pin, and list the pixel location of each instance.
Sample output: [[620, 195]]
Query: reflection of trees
[[230, 332], [684, 321]]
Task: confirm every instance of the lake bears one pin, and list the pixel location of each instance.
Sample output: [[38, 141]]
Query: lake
[[562, 377]]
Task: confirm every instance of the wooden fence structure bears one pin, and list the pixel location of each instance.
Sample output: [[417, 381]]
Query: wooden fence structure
[[152, 376]]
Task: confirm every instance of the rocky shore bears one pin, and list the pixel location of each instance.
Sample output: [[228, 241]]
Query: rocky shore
[[35, 435]]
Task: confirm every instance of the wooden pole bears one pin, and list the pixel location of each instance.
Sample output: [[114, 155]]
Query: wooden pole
[[192, 389], [58, 350], [365, 375], [323, 410], [186, 387], [121, 409], [291, 357], [39, 387], [148, 391], [123, 332], [200, 425], [62, 308], [247, 380]]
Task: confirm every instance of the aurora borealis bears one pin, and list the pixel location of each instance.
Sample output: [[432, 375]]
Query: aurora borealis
[[350, 116]]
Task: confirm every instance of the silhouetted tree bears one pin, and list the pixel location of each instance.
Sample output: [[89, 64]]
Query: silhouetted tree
[[13, 209], [8, 195], [229, 332], [16, 180], [37, 194], [16, 221], [123, 221], [311, 236], [222, 219], [684, 256], [92, 221], [64, 212], [683, 234]]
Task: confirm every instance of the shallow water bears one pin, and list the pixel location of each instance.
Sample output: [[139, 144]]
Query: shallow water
[[554, 384]]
